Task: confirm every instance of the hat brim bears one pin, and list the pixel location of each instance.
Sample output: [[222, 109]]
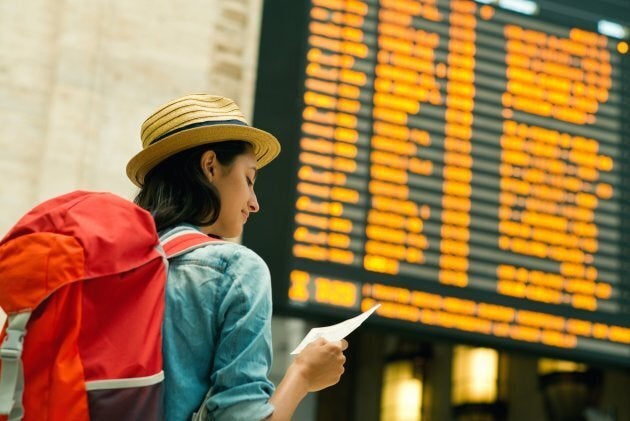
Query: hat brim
[[265, 146]]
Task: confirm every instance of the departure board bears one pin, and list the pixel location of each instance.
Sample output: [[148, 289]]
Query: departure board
[[461, 163]]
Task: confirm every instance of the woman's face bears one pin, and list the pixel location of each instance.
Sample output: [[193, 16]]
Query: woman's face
[[235, 183]]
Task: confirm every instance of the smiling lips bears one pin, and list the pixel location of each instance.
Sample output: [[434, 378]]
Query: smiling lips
[[245, 215]]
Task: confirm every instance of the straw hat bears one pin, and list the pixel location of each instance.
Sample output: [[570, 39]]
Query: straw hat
[[195, 120]]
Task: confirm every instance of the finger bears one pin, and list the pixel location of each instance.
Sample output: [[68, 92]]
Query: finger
[[319, 341], [344, 344], [341, 360]]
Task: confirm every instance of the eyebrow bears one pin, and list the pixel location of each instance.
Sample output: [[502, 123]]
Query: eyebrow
[[255, 171]]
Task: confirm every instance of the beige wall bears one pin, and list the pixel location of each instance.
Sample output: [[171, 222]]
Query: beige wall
[[77, 78]]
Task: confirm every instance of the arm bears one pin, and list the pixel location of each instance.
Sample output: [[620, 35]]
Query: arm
[[242, 350], [318, 366], [240, 387]]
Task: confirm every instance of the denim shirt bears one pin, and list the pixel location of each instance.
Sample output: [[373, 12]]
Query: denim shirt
[[217, 334]]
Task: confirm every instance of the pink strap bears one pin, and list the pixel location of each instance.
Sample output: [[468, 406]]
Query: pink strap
[[184, 243]]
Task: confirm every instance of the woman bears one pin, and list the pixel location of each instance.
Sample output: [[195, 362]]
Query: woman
[[198, 166]]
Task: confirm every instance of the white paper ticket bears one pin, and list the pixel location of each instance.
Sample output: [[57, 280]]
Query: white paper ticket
[[335, 332]]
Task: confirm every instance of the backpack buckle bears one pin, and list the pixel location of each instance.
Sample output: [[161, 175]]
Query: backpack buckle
[[13, 344]]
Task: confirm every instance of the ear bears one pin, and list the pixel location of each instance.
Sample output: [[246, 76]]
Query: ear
[[209, 164]]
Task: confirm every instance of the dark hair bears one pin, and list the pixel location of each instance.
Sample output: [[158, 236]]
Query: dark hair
[[176, 190]]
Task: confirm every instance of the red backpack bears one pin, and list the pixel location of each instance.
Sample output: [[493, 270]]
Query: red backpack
[[82, 280]]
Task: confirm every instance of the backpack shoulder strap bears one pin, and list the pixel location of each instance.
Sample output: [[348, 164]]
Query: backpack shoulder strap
[[12, 373], [184, 239]]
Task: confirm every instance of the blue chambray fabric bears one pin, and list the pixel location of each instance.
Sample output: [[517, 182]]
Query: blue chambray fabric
[[217, 334]]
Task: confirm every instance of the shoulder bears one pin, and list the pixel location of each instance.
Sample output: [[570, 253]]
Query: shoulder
[[228, 252], [219, 250], [241, 273], [231, 259], [227, 258]]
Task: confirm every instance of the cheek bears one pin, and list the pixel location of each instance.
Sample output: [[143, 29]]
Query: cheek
[[239, 195]]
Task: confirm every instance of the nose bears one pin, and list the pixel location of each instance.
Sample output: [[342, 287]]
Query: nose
[[253, 203]]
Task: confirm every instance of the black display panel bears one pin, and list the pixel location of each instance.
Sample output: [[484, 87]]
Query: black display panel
[[461, 163]]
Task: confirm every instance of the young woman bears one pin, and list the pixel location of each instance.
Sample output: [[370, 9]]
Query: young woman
[[198, 167]]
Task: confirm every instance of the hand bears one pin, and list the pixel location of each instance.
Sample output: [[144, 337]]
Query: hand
[[320, 364]]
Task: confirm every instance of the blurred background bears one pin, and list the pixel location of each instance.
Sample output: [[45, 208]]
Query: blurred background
[[462, 163], [78, 78]]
